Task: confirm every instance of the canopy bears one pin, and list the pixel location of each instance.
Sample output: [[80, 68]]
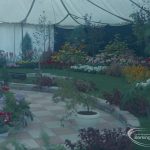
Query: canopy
[[67, 13]]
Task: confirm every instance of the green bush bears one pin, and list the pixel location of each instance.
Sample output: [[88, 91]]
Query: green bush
[[117, 46], [137, 101], [70, 55]]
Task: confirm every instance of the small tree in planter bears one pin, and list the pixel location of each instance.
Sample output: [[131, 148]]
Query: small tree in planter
[[76, 96]]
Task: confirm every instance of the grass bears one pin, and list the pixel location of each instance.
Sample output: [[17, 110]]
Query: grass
[[102, 82]]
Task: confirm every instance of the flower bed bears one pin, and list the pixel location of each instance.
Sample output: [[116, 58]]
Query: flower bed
[[88, 68], [106, 59], [27, 64]]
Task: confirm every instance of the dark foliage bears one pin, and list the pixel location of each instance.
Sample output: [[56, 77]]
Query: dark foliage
[[2, 58], [114, 70], [84, 86], [45, 81], [138, 105], [27, 52], [46, 56], [114, 97], [94, 139], [141, 28]]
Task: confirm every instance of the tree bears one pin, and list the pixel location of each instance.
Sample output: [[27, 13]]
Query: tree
[[41, 36], [89, 35], [42, 33], [27, 47], [141, 28]]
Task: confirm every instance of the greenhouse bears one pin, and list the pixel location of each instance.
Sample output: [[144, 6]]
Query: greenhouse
[[74, 74]]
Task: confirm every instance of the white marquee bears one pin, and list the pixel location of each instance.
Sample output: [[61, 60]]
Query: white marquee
[[62, 13]]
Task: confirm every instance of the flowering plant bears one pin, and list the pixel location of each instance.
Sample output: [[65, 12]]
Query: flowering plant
[[16, 104], [5, 88], [136, 73], [5, 119], [106, 59], [88, 68], [70, 55]]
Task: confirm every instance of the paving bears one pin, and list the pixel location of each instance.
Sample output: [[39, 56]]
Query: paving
[[47, 116]]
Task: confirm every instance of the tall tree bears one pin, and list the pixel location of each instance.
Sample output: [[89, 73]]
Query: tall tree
[[141, 27], [27, 47]]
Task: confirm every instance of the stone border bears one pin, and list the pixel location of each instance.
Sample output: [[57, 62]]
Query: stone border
[[125, 117], [32, 87]]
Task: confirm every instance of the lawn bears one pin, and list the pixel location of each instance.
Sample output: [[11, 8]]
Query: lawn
[[102, 82]]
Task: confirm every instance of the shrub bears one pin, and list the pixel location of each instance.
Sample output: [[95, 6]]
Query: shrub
[[70, 55], [136, 73], [117, 46], [45, 81], [114, 97], [114, 70], [139, 106], [84, 86], [137, 101], [93, 139]]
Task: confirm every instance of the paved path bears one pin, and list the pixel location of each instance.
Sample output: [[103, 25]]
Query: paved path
[[47, 117]]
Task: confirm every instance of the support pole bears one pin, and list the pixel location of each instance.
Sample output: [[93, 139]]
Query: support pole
[[14, 43], [22, 34]]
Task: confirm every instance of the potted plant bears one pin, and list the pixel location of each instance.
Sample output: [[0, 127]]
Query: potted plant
[[76, 95]]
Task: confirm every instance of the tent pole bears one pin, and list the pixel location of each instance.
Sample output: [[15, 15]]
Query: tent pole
[[14, 42], [22, 32], [49, 39]]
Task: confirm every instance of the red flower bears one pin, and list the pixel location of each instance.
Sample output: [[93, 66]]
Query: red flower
[[6, 116], [5, 88]]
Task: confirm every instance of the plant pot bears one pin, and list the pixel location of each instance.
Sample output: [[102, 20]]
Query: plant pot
[[85, 120]]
